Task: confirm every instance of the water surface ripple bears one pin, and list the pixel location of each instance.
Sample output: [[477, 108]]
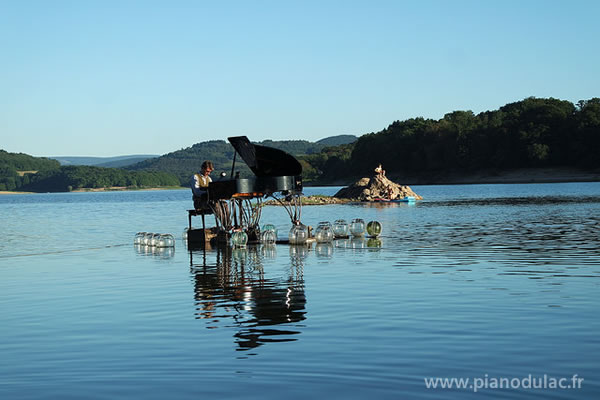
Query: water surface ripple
[[475, 281]]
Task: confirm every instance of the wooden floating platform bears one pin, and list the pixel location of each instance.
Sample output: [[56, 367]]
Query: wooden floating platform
[[209, 236], [287, 241], [199, 236]]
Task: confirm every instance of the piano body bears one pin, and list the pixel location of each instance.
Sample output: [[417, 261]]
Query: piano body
[[275, 171]]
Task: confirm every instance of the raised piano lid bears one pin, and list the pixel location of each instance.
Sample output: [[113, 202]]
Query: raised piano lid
[[266, 161]]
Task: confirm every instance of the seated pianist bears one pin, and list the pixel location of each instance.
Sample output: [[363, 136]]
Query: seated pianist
[[199, 184]]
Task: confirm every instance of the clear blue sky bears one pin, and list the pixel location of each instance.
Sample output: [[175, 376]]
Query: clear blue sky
[[107, 78]]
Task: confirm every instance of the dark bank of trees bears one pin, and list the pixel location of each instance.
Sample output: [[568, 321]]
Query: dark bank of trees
[[25, 162], [330, 164], [17, 168], [69, 178], [534, 132]]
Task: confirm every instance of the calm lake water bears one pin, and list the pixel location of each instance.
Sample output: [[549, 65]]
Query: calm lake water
[[478, 282]]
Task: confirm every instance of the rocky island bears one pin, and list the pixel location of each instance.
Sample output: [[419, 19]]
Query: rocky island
[[375, 188]]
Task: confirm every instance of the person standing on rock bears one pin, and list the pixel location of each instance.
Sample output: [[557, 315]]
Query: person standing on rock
[[380, 171]]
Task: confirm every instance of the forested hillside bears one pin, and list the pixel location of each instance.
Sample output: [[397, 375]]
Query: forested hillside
[[184, 163], [25, 162], [23, 172], [534, 132], [69, 178], [337, 140], [16, 168]]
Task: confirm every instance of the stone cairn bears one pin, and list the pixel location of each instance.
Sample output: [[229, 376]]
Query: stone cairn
[[376, 187]]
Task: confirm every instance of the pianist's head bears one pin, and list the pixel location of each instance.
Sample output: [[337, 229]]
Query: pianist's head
[[207, 167]]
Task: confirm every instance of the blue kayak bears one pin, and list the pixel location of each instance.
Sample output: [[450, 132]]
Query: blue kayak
[[406, 199]]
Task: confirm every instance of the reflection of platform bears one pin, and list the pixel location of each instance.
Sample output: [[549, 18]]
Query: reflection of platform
[[230, 287]]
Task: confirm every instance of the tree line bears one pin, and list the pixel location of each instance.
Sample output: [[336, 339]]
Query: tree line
[[25, 162], [69, 178], [534, 132]]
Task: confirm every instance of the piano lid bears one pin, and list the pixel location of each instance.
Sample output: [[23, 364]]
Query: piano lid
[[266, 161]]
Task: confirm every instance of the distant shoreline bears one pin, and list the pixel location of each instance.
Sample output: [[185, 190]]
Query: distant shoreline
[[125, 189], [108, 189], [516, 176]]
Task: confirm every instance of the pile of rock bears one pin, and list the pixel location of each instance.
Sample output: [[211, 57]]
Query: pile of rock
[[313, 201], [376, 187]]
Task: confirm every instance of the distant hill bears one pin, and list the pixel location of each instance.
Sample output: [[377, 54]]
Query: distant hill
[[125, 162], [16, 169], [530, 133], [337, 140], [25, 162], [108, 162], [294, 147], [183, 163], [22, 172]]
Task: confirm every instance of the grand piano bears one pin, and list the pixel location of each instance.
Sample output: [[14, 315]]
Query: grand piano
[[237, 202], [276, 172]]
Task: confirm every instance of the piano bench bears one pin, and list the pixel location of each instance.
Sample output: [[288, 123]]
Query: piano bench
[[201, 212]]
